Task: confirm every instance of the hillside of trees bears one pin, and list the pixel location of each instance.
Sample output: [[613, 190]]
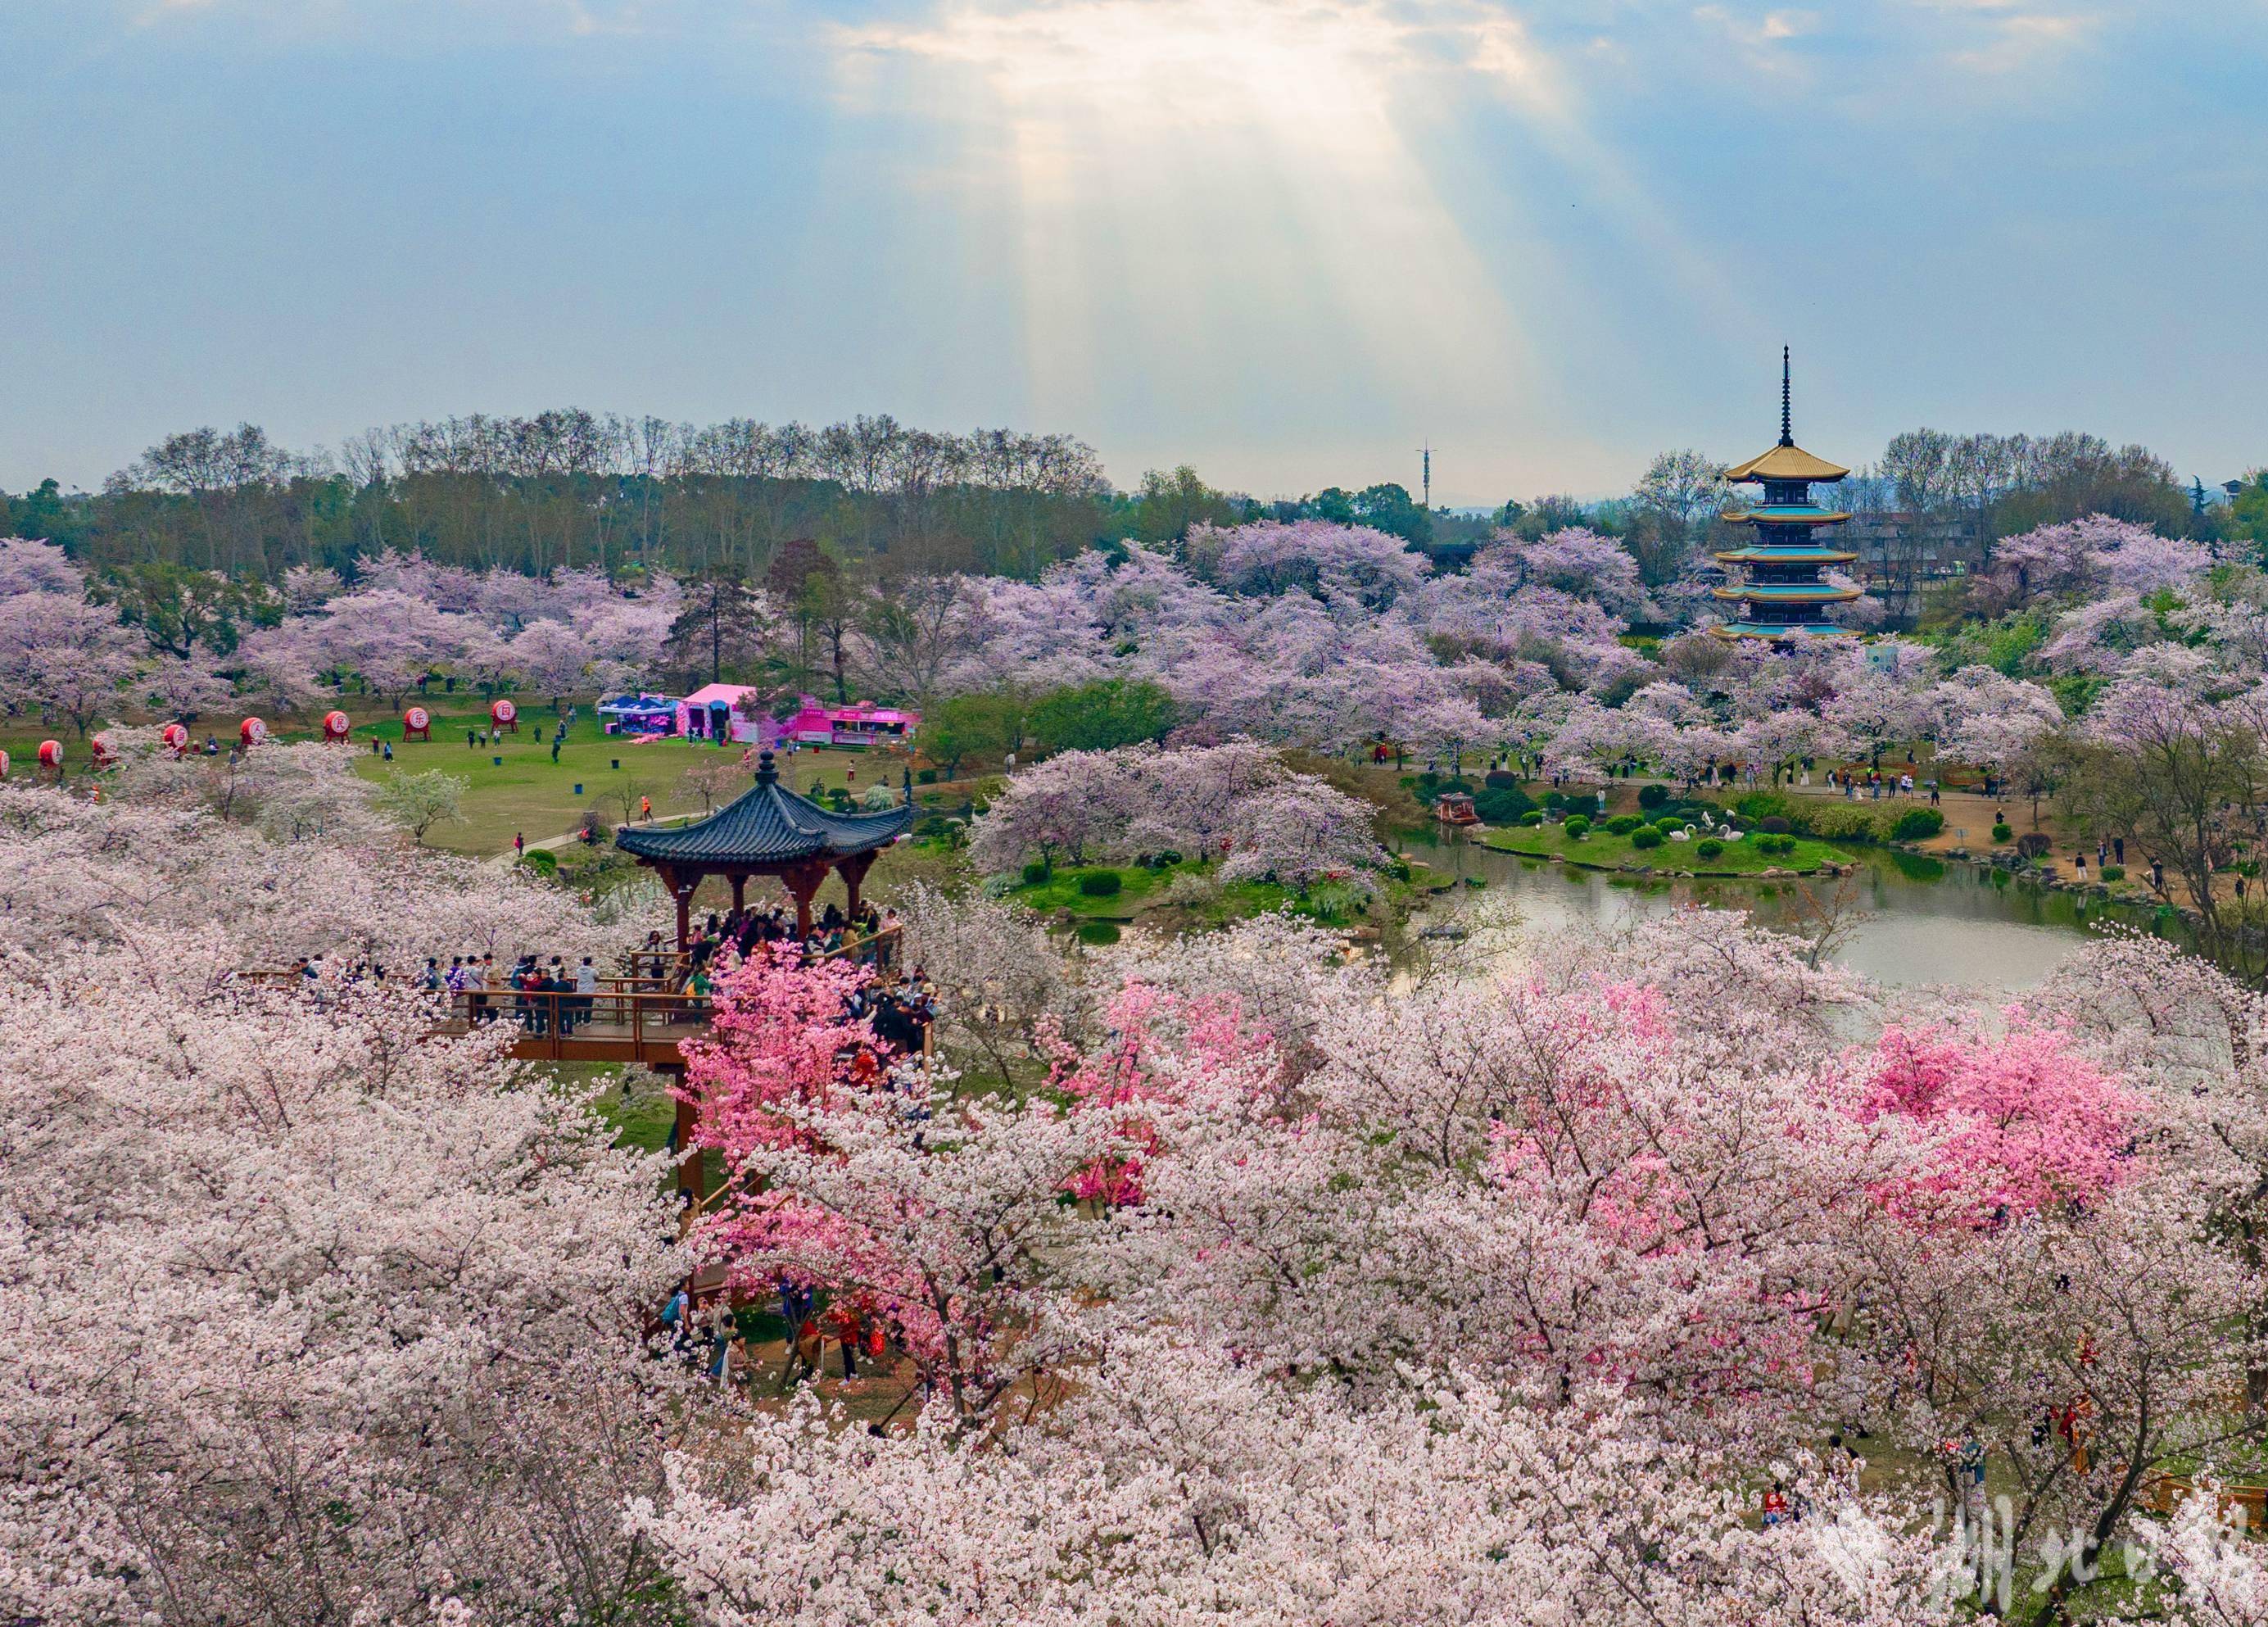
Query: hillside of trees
[[636, 495]]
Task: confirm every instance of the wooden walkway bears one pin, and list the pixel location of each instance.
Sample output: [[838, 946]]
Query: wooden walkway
[[639, 1018]]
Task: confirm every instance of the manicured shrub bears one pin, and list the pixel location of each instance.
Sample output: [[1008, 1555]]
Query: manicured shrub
[[1169, 857], [1775, 843], [543, 861], [1554, 799], [926, 777], [1646, 836], [1502, 779], [1100, 884], [2114, 873], [1708, 847], [1774, 824], [1534, 816], [1502, 804], [1759, 806], [1035, 873], [1622, 824], [1917, 824], [2004, 832], [1652, 797], [2032, 844], [1578, 827], [1845, 821]]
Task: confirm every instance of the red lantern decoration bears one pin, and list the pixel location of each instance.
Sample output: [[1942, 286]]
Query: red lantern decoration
[[4, 765], [175, 737], [251, 732], [51, 754], [505, 716], [335, 726], [417, 725]]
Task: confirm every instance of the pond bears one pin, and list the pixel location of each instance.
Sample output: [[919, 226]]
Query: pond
[[1926, 921]]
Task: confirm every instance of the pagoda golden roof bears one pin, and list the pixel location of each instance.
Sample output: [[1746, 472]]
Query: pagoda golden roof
[[1786, 461]]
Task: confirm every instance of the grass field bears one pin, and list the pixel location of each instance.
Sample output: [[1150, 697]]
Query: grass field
[[526, 793], [1604, 851]]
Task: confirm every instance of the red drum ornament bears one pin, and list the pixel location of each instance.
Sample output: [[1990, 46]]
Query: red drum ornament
[[51, 754], [417, 724], [106, 751], [335, 725], [251, 732], [175, 737], [504, 715]]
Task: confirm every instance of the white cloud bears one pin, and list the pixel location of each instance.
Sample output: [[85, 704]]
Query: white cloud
[[2021, 40]]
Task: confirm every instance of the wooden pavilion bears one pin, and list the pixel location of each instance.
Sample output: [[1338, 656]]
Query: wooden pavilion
[[767, 831]]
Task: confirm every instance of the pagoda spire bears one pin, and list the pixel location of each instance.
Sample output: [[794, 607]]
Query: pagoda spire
[[1787, 416]]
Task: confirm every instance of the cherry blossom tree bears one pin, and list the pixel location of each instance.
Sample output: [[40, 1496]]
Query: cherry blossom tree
[[388, 1291]]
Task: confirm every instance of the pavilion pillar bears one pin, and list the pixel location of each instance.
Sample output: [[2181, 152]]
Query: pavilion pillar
[[803, 878], [680, 893], [853, 869], [689, 1172], [739, 893]]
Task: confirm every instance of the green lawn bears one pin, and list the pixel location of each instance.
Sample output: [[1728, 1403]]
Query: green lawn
[[1060, 892], [529, 793], [1140, 889], [1604, 852]]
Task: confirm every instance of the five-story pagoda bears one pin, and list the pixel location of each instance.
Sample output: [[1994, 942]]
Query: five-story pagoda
[[1776, 578]]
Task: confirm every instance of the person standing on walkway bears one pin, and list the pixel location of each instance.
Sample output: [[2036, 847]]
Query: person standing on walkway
[[520, 844]]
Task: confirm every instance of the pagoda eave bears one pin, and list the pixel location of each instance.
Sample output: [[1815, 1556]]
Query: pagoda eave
[[1769, 632], [1754, 554], [1789, 593]]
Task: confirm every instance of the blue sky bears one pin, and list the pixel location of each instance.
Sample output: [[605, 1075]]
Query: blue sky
[[1284, 240]]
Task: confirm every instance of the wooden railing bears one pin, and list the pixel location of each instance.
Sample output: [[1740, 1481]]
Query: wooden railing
[[638, 1018]]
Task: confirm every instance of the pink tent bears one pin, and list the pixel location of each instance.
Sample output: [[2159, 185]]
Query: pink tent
[[713, 712]]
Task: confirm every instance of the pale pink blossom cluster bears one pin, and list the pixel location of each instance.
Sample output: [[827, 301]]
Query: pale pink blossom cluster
[[1505, 1297], [307, 1310], [1235, 802]]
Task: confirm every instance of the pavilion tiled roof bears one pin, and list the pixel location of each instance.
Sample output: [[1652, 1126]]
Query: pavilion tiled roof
[[768, 825]]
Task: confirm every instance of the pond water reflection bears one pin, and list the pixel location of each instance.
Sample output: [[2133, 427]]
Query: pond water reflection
[[1927, 921]]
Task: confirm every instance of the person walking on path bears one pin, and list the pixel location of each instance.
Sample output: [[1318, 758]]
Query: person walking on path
[[520, 844], [645, 807]]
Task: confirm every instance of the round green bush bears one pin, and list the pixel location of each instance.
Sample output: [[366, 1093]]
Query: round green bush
[[1917, 824], [1622, 824], [1708, 847], [2114, 873], [1501, 779], [926, 777], [1774, 826], [1554, 799], [2003, 833], [1534, 816], [1645, 837], [1578, 827], [543, 861], [1035, 873], [1776, 844], [1100, 884], [1652, 796]]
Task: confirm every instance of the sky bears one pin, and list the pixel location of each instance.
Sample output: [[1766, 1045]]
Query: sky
[[1286, 241]]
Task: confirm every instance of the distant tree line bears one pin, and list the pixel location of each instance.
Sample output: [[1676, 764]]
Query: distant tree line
[[632, 496]]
